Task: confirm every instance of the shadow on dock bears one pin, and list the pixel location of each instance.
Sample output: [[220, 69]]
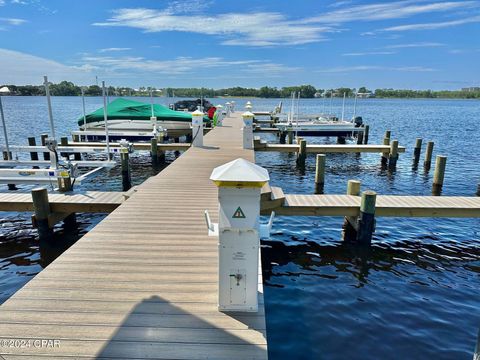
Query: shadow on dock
[[155, 328]]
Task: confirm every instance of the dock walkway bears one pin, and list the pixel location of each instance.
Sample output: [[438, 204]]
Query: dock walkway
[[143, 283]]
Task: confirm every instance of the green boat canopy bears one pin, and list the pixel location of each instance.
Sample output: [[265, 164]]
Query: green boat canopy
[[123, 109]]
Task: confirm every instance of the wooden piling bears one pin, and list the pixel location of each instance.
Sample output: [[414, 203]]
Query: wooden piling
[[439, 175], [7, 157], [33, 155], [320, 173], [350, 223], [341, 140], [365, 135], [290, 137], [283, 136], [393, 157], [42, 211], [478, 190], [76, 156], [154, 150], [46, 155], [366, 222], [64, 142], [126, 178], [417, 151], [302, 153], [428, 156], [360, 138], [64, 184], [384, 160], [388, 134]]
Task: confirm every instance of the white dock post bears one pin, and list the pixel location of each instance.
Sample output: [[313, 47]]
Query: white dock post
[[249, 106], [239, 186], [232, 104], [5, 135], [105, 119], [228, 109], [197, 128], [219, 115], [247, 130], [49, 103]]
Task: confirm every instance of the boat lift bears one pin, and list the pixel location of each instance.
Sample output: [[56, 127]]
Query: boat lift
[[57, 169]]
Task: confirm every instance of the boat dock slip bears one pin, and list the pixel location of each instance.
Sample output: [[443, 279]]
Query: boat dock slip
[[386, 205], [89, 201], [319, 149], [144, 282]]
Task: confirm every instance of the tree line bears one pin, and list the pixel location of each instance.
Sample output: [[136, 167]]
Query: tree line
[[67, 88]]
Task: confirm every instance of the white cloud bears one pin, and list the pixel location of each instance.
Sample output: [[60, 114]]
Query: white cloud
[[181, 65], [260, 29], [369, 53], [348, 69], [21, 68], [249, 29], [13, 21], [114, 49], [387, 10], [434, 26], [415, 45], [2, 2]]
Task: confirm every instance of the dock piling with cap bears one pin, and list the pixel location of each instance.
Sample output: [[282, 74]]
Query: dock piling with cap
[[126, 177], [384, 159]]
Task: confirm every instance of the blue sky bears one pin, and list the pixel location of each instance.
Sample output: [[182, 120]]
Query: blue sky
[[223, 43]]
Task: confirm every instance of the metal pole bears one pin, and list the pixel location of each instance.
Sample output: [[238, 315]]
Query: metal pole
[[151, 103], [355, 106], [343, 106], [9, 157], [105, 118], [84, 114], [50, 114]]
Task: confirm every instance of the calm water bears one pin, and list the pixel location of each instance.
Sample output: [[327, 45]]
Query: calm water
[[413, 295]]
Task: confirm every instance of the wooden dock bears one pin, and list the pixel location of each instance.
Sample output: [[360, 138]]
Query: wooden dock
[[325, 149], [143, 284], [386, 205], [89, 201]]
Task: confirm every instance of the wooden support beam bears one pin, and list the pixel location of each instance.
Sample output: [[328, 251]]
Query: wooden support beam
[[290, 137], [428, 156], [126, 177], [320, 174], [42, 211], [154, 151], [283, 136], [350, 223], [360, 137], [384, 159], [417, 151], [439, 175], [366, 221], [365, 135], [393, 157], [478, 190], [64, 142], [302, 153], [46, 155]]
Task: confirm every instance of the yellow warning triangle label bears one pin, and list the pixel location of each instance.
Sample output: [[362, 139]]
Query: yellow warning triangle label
[[238, 214]]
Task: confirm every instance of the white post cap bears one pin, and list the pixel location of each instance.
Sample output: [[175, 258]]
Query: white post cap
[[249, 103], [227, 103], [197, 113], [248, 114], [219, 106], [240, 173]]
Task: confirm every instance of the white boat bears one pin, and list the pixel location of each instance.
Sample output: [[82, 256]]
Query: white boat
[[322, 126]]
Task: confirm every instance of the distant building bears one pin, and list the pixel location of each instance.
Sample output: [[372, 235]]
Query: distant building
[[318, 94], [4, 91], [471, 89], [367, 94]]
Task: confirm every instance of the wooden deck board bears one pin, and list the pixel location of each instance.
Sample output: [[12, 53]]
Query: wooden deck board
[[386, 205], [143, 283]]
